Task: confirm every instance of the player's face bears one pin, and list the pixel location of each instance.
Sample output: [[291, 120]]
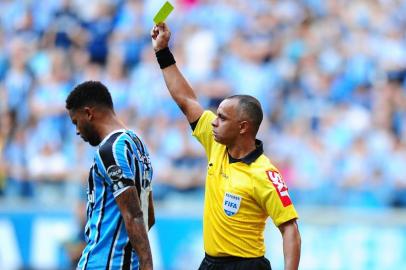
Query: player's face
[[81, 118], [226, 126]]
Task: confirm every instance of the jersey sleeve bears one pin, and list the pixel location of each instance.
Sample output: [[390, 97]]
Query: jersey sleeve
[[119, 170], [204, 131], [271, 193]]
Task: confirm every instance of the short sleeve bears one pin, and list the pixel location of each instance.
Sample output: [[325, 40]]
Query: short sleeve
[[271, 193], [119, 169], [204, 131]]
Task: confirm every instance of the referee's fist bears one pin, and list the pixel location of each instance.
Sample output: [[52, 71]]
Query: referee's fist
[[160, 35]]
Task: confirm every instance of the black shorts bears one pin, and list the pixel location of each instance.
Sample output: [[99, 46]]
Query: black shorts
[[234, 263]]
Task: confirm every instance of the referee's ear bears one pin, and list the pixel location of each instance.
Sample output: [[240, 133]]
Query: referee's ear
[[244, 127]]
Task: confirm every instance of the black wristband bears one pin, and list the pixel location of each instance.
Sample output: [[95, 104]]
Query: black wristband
[[165, 58]]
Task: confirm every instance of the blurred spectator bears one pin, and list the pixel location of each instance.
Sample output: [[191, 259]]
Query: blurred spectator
[[5, 123], [47, 102], [131, 33], [395, 174], [18, 181], [116, 79], [98, 31], [66, 28], [179, 162], [49, 165], [18, 81]]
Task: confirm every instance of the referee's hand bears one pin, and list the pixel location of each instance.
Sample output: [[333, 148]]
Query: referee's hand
[[160, 35]]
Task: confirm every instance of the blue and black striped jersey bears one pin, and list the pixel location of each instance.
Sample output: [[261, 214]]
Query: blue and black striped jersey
[[121, 161]]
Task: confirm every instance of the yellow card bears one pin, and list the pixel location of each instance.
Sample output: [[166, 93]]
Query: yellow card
[[163, 13]]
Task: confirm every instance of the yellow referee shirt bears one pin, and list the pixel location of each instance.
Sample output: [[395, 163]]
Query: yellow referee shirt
[[239, 197]]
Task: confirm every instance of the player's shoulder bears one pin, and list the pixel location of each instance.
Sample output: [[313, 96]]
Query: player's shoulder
[[132, 136], [133, 140], [110, 143]]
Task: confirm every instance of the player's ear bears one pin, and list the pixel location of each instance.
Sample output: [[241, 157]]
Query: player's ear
[[89, 113]]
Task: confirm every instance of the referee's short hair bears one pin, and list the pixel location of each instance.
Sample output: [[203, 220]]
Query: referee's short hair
[[89, 93], [250, 109]]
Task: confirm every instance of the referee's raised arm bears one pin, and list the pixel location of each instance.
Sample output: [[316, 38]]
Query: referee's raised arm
[[178, 87]]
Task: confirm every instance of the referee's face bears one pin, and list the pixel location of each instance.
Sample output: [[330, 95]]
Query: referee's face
[[226, 125], [81, 118]]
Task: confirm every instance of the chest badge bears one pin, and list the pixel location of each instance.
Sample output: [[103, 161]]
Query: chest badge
[[231, 204]]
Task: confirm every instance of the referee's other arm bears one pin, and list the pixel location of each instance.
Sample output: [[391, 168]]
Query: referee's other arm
[[291, 244], [178, 87]]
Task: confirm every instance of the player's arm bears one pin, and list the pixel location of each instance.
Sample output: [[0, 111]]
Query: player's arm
[[131, 212], [178, 87], [151, 212], [291, 244]]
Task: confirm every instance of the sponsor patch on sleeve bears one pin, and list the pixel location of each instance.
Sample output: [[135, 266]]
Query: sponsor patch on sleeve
[[114, 172], [117, 177], [280, 186]]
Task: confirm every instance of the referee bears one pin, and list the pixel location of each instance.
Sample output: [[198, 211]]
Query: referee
[[243, 188]]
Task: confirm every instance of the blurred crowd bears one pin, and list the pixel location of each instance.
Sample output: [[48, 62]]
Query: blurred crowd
[[330, 76]]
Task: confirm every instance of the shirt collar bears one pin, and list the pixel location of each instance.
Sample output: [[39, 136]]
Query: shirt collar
[[111, 133], [251, 157]]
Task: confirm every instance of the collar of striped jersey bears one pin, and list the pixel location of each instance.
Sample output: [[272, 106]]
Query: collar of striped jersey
[[111, 133], [251, 157]]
